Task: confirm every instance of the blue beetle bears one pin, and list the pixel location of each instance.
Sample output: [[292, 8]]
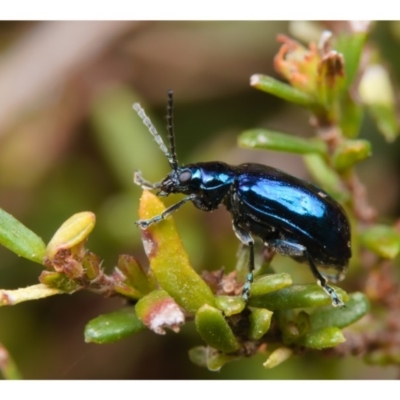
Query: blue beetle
[[291, 216]]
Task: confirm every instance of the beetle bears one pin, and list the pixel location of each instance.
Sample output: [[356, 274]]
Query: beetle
[[291, 216]]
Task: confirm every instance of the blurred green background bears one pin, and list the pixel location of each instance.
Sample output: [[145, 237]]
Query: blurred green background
[[70, 141]]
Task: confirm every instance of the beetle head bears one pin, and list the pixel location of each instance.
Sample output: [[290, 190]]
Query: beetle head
[[184, 180]]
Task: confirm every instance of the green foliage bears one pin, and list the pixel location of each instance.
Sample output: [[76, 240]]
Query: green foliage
[[260, 322], [282, 90], [270, 283], [71, 233], [357, 306], [349, 153], [19, 239], [271, 140], [113, 327], [169, 261], [294, 296], [215, 330]]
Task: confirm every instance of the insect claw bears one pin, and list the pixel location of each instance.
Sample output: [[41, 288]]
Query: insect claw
[[336, 302]]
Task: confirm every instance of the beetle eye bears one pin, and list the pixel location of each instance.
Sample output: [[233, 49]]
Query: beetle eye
[[185, 177]]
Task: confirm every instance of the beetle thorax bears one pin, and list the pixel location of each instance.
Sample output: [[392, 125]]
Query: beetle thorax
[[210, 182]]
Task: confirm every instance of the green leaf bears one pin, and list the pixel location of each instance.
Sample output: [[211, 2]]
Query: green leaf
[[278, 356], [72, 232], [34, 292], [326, 177], [269, 283], [169, 260], [20, 240], [322, 338], [272, 140], [295, 296], [356, 307], [136, 277], [113, 327], [350, 152], [215, 330], [382, 240], [230, 305], [282, 90], [260, 321]]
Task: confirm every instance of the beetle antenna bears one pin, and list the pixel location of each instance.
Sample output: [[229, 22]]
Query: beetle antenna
[[146, 120], [170, 128]]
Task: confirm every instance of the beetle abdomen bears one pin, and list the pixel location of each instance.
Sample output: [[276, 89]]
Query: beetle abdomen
[[297, 210]]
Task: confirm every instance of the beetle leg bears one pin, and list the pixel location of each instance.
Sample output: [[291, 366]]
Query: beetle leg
[[145, 223], [336, 302], [297, 250], [247, 240], [143, 183]]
